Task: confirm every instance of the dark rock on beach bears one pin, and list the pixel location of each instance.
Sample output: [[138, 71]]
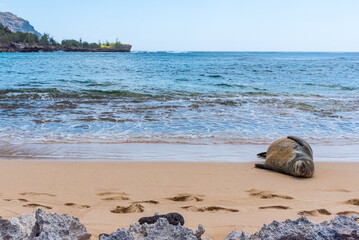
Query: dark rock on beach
[[172, 218], [41, 225], [161, 229], [341, 227]]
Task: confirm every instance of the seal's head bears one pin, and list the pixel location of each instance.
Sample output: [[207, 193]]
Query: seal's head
[[303, 168]]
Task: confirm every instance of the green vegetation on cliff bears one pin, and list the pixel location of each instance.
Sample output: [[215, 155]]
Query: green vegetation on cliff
[[70, 43], [6, 36]]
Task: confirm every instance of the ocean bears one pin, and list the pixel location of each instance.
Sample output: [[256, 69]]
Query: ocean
[[194, 98]]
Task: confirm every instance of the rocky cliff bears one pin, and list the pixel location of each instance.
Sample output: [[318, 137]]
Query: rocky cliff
[[15, 23]]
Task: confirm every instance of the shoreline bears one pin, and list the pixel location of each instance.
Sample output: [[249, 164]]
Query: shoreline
[[245, 197], [160, 152]]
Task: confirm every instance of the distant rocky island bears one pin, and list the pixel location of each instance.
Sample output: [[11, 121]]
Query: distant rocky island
[[18, 35]]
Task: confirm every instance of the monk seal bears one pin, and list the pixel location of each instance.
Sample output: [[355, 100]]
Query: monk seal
[[290, 155]]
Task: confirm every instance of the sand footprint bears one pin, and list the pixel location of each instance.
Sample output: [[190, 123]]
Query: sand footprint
[[74, 205], [37, 194], [348, 213], [315, 212], [342, 190], [275, 207], [113, 196], [116, 198], [133, 208], [101, 194], [208, 209], [266, 194], [35, 205], [148, 201], [354, 201], [20, 200], [186, 198]]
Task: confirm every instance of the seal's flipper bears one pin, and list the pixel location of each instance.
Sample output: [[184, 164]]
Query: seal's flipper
[[262, 155], [303, 143], [263, 166]]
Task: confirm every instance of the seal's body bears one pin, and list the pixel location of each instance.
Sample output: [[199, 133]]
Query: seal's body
[[290, 155]]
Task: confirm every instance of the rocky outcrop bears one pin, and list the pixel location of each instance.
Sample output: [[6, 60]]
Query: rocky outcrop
[[21, 47], [41, 225], [172, 218], [15, 23], [341, 227], [161, 229], [5, 47], [121, 48]]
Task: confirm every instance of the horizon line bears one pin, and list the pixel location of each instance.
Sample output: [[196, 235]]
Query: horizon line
[[247, 51]]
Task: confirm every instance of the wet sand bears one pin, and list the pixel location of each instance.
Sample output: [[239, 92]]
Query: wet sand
[[220, 196], [162, 152]]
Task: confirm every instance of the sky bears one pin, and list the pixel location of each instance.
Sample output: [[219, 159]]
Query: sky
[[199, 25]]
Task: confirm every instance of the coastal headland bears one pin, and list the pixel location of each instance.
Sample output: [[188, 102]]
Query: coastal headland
[[18, 35], [221, 196], [24, 47]]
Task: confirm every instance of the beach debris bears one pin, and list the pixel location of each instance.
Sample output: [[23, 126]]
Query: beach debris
[[41, 225], [161, 229], [340, 227], [172, 218]]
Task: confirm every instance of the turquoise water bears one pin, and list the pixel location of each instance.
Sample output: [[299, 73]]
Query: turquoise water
[[191, 97]]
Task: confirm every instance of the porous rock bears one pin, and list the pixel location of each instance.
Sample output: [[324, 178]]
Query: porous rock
[[41, 225], [172, 218], [341, 227], [161, 229]]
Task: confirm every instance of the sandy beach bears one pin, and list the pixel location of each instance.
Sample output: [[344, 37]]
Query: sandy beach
[[220, 196], [117, 111]]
